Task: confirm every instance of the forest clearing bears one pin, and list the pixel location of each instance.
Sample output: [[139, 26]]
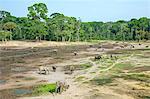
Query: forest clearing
[[122, 72], [74, 49]]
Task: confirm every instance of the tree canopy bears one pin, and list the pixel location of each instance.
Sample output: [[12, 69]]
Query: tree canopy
[[58, 27]]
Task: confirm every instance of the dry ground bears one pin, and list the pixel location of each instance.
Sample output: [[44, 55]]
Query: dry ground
[[125, 76]]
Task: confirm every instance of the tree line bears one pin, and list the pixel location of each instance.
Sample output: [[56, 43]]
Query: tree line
[[37, 25]]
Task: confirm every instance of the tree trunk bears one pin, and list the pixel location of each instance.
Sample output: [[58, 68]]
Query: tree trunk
[[63, 39], [36, 38], [3, 40], [70, 37], [78, 37], [39, 38], [10, 37], [24, 37], [57, 38]]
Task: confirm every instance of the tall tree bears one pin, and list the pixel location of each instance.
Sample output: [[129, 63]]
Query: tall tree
[[4, 14], [38, 14], [38, 11]]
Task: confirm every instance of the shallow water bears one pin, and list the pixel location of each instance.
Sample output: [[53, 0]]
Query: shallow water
[[2, 81], [19, 92]]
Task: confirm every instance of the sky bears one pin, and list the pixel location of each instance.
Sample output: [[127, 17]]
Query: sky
[[86, 10]]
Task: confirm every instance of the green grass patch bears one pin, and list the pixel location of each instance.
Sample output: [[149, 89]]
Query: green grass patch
[[93, 72], [106, 65], [138, 77], [122, 66], [102, 67], [29, 78], [79, 67], [85, 66], [105, 62], [101, 81], [44, 89], [80, 78], [143, 56], [146, 49], [118, 52]]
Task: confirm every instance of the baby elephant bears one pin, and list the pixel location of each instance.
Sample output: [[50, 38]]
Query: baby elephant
[[147, 46], [45, 69], [64, 86], [54, 68], [75, 53]]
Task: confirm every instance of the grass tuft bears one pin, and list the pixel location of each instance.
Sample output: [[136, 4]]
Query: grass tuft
[[80, 78], [101, 81], [85, 66], [138, 77]]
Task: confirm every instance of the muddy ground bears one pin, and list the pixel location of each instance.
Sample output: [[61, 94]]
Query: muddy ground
[[124, 76]]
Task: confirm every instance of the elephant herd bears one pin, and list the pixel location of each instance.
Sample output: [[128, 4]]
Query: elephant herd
[[60, 86], [46, 70]]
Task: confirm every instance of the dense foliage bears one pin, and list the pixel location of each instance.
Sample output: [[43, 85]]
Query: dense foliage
[[58, 27]]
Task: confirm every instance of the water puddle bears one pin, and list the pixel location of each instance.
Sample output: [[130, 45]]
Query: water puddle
[[20, 92], [2, 81]]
